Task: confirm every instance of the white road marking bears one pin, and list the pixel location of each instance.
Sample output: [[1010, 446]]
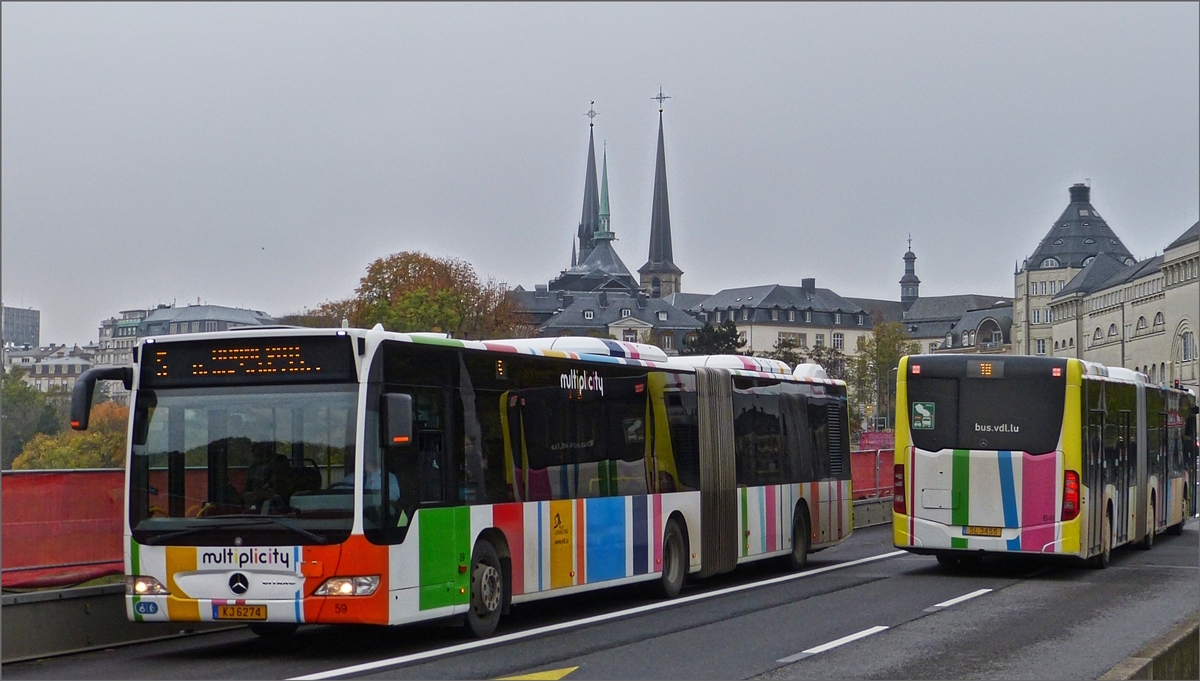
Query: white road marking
[[956, 601], [530, 633], [832, 644]]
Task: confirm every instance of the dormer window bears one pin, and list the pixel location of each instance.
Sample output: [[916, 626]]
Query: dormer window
[[662, 315], [1088, 260], [1058, 242], [774, 315], [837, 317], [589, 314], [624, 312], [1050, 262], [1089, 241], [791, 315], [1083, 212]]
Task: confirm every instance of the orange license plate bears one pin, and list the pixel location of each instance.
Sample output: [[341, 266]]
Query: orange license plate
[[241, 612], [977, 531]]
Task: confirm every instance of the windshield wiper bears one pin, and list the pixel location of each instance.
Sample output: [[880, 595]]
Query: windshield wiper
[[248, 522]]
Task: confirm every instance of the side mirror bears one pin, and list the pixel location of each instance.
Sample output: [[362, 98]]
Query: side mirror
[[85, 388], [397, 419]]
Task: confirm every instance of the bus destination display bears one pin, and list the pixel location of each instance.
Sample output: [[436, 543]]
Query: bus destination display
[[265, 360]]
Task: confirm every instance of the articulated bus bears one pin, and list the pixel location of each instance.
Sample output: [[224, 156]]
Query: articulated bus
[[1037, 455], [282, 476]]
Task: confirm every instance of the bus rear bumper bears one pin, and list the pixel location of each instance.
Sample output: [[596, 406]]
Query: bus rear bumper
[[928, 537]]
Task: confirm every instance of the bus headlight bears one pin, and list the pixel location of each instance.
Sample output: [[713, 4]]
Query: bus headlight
[[140, 585], [348, 586]]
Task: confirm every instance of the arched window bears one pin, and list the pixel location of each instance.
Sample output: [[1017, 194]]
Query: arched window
[[1072, 340], [1088, 260], [1141, 323], [1162, 372], [964, 338], [1159, 320], [1056, 346], [1187, 347], [1089, 241], [949, 340], [1097, 336], [655, 287], [972, 338], [1153, 374], [1112, 329], [1050, 262]]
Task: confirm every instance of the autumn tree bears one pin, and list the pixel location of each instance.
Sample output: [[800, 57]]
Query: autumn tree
[[720, 340], [831, 360], [102, 445], [786, 350], [412, 291], [27, 412]]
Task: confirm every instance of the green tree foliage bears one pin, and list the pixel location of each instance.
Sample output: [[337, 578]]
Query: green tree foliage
[[27, 412], [412, 291], [102, 445], [831, 360], [721, 340], [786, 350], [882, 352]]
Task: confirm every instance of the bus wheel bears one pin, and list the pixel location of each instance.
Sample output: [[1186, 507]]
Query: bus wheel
[[1148, 540], [674, 560], [274, 630], [487, 591], [798, 558], [948, 560], [1100, 560]]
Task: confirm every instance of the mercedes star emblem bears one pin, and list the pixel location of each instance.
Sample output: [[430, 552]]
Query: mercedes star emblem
[[238, 583]]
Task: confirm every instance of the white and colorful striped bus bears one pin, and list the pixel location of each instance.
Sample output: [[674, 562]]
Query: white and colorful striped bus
[[281, 476], [1037, 455]]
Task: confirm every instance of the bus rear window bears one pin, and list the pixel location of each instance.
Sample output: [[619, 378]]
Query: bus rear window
[[1016, 414]]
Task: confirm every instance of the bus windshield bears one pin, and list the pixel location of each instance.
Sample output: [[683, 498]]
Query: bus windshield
[[1009, 414], [265, 465]]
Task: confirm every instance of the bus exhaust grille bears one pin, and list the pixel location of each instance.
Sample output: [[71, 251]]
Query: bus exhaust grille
[[836, 455]]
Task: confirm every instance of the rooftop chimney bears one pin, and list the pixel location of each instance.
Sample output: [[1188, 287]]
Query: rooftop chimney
[[808, 285], [1080, 193]]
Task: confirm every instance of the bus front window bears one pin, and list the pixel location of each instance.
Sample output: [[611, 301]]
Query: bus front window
[[263, 464]]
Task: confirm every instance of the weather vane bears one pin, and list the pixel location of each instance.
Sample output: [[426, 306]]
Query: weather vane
[[592, 113], [910, 242], [660, 98]]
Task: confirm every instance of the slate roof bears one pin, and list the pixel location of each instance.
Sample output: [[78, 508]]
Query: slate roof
[[1092, 277], [195, 313], [686, 301], [777, 295], [1191, 234], [1077, 235], [949, 307], [888, 310], [644, 309], [603, 269]]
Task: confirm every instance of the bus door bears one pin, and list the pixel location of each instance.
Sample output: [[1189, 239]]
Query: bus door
[[1126, 472], [1094, 477]]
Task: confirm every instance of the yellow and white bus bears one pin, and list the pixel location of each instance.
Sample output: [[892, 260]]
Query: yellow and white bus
[[282, 476], [1015, 454]]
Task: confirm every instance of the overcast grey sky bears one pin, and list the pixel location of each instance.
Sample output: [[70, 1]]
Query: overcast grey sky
[[262, 155]]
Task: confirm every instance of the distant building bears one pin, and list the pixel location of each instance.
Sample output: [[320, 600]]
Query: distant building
[[164, 321], [811, 317], [22, 327], [968, 322], [1141, 315], [118, 336], [1074, 241]]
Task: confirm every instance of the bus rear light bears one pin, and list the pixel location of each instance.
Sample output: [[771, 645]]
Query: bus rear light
[[899, 503], [1070, 502], [348, 586], [916, 369]]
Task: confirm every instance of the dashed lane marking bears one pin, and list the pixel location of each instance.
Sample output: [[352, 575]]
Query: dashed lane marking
[[955, 601], [832, 644]]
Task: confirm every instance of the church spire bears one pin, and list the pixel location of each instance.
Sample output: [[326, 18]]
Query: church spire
[[604, 232], [909, 283], [660, 277], [590, 222]]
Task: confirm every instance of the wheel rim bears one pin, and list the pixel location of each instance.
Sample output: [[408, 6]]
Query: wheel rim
[[487, 589]]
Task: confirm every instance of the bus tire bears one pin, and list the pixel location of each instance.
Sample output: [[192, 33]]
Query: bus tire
[[1100, 560], [801, 538], [274, 630], [948, 560], [674, 566], [487, 591], [1148, 540]]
